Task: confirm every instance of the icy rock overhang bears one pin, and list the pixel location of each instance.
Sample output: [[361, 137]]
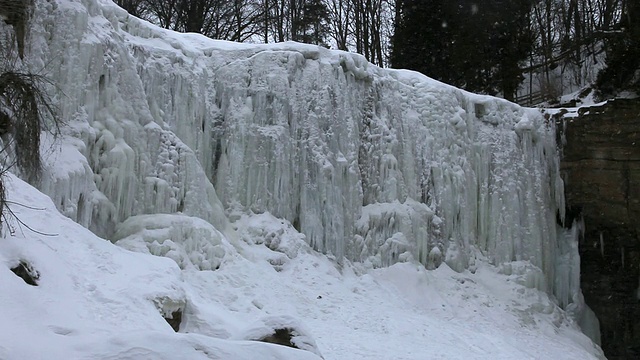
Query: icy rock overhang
[[281, 330], [372, 165]]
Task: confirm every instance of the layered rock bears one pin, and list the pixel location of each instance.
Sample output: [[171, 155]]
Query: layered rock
[[601, 170]]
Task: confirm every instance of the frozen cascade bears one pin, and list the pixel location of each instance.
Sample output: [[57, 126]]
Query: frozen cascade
[[127, 164], [567, 280], [372, 165]]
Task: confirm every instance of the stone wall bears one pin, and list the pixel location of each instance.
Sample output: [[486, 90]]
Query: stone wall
[[601, 170]]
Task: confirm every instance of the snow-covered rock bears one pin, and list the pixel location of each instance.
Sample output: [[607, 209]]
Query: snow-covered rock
[[191, 242], [276, 234], [283, 330]]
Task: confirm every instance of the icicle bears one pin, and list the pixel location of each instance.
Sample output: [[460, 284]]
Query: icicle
[[369, 164]]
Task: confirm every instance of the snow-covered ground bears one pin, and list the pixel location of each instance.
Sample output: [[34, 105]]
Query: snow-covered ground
[[95, 300]]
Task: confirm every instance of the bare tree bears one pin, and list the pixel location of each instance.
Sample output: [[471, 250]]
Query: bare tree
[[134, 7], [235, 20], [364, 26], [16, 14], [569, 36], [340, 12], [24, 104], [163, 12], [249, 19]]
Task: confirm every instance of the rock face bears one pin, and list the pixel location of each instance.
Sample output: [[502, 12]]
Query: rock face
[[27, 273], [601, 170]]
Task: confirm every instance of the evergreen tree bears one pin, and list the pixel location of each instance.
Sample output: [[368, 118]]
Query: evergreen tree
[[422, 38], [475, 45], [512, 43], [313, 22], [623, 55]]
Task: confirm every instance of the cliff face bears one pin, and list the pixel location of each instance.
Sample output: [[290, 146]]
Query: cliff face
[[601, 170], [601, 164]]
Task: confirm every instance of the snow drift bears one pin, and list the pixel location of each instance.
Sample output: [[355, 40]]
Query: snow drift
[[95, 300]]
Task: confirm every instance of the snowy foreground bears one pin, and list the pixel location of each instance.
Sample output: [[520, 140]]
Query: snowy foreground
[[98, 301], [255, 188]]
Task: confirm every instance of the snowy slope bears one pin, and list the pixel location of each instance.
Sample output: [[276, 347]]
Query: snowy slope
[[97, 301], [385, 172]]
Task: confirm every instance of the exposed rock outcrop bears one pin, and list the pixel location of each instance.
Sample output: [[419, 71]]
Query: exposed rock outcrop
[[601, 170], [282, 330], [26, 272]]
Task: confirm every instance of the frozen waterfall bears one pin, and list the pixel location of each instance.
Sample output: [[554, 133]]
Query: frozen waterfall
[[371, 165]]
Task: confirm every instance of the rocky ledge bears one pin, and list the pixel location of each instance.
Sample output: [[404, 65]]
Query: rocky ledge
[[601, 170]]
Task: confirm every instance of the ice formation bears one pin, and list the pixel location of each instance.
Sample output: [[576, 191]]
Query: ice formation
[[371, 165], [127, 164], [95, 300], [276, 234], [191, 242]]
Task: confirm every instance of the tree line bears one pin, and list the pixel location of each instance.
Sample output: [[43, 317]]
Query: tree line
[[488, 46], [574, 34], [363, 26], [475, 45], [485, 46]]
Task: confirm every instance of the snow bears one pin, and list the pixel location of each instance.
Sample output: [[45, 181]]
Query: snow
[[284, 180], [190, 242], [95, 300]]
